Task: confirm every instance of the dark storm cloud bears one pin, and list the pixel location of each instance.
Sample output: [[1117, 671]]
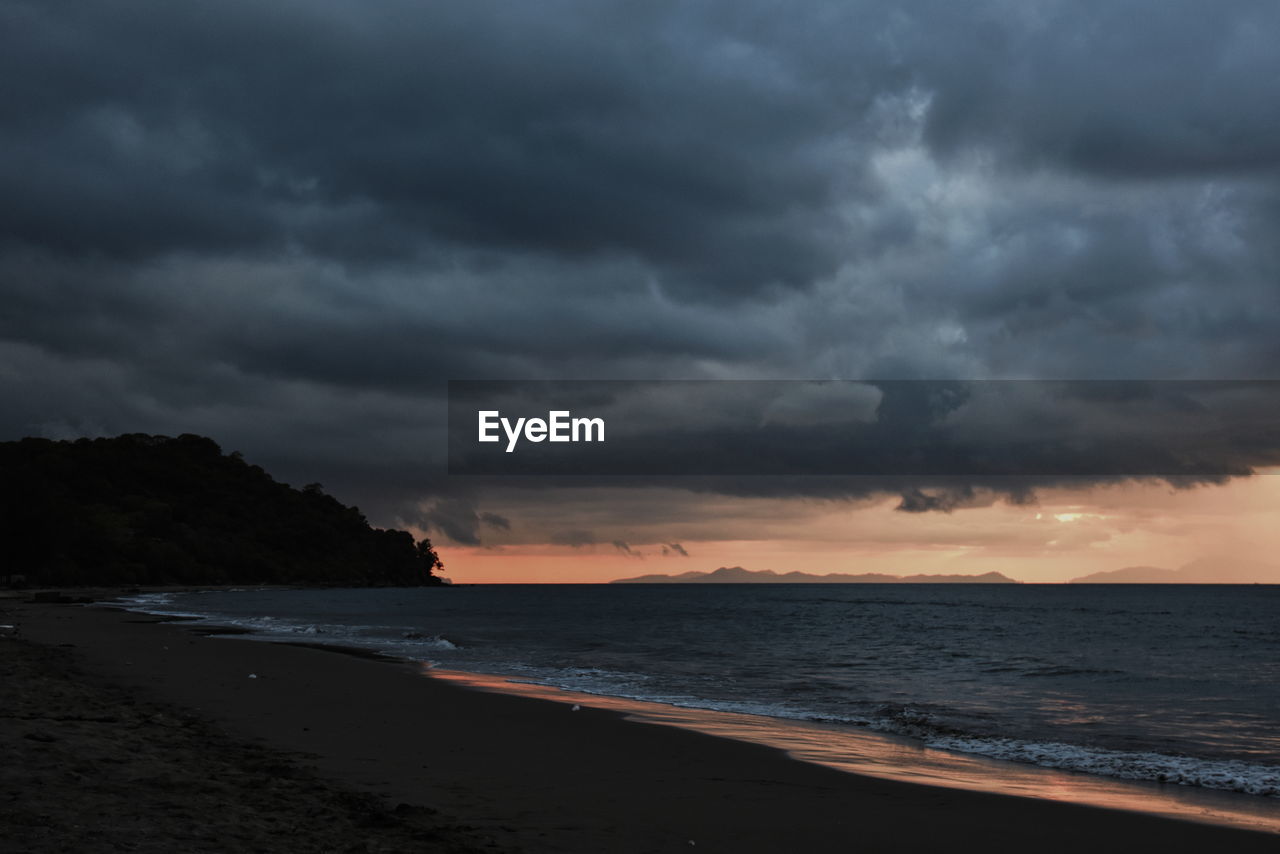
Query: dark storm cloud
[[1120, 89], [377, 133], [947, 429], [457, 518], [574, 538], [941, 446], [286, 225], [918, 501]]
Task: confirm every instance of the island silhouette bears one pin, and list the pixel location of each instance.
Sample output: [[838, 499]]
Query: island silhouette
[[738, 575]]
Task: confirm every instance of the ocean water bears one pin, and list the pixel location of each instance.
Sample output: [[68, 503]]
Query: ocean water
[[1171, 684]]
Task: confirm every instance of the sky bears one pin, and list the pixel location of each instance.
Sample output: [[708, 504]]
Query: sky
[[286, 226]]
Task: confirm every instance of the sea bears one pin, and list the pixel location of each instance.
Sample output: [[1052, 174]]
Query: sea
[[1172, 687]]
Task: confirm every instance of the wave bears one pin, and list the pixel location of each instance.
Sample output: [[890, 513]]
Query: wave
[[1066, 670], [635, 686], [397, 640], [1223, 774], [921, 725], [1227, 775]]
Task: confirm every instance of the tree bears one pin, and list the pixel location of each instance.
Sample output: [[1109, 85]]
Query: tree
[[427, 556]]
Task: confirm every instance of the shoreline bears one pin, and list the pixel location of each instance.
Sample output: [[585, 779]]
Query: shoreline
[[846, 746], [536, 775], [885, 756]]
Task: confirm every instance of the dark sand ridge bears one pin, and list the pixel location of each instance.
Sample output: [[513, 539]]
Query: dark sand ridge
[[533, 774]]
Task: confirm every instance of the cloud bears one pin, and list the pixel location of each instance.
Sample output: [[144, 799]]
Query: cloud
[[917, 501], [1091, 87], [421, 128], [287, 226], [669, 549], [574, 538], [457, 518], [1006, 436]]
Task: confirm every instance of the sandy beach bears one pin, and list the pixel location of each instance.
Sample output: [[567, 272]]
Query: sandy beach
[[133, 734]]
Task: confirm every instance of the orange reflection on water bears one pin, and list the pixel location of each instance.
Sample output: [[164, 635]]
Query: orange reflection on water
[[873, 754]]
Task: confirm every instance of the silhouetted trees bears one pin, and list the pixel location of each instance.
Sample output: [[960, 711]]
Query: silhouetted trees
[[141, 509]]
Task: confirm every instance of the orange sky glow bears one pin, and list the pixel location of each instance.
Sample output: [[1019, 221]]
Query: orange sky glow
[[1067, 533]]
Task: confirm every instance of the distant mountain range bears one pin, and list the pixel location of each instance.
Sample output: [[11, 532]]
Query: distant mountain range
[[738, 575], [1133, 575], [1205, 570]]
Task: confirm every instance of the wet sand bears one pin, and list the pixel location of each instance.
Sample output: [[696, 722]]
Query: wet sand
[[469, 770]]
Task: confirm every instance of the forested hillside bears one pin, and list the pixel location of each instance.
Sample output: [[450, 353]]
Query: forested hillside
[[141, 509]]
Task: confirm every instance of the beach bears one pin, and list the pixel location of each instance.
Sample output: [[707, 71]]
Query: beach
[[348, 752]]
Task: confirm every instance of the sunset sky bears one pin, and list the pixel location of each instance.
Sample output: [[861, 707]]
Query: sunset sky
[[1067, 534], [286, 226]]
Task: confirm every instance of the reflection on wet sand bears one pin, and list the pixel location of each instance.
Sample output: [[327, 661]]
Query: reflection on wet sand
[[879, 755]]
